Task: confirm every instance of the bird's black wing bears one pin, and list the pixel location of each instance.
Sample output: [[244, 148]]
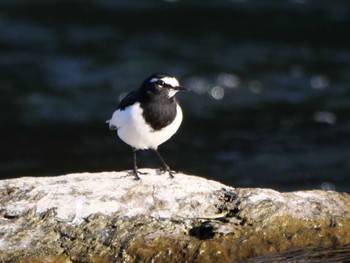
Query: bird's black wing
[[128, 100]]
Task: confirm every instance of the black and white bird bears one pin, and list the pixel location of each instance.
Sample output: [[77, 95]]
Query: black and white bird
[[149, 116]]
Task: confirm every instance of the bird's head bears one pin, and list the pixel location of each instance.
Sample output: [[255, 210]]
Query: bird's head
[[162, 84]]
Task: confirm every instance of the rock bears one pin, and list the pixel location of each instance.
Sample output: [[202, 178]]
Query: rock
[[109, 217]]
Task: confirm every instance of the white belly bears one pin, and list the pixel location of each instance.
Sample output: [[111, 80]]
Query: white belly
[[133, 129]]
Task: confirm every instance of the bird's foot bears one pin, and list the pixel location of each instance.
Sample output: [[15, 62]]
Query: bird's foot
[[167, 169], [135, 173]]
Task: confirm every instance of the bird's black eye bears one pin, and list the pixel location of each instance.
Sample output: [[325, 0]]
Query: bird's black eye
[[160, 83]]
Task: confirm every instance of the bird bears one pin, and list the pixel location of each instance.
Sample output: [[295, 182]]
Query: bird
[[149, 116]]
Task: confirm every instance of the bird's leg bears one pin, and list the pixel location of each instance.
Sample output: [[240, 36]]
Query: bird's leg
[[135, 172], [165, 166]]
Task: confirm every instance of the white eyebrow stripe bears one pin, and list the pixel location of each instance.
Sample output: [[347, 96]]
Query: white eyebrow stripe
[[167, 80], [153, 80]]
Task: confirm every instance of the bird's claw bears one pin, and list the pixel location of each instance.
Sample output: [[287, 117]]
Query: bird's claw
[[167, 169], [136, 173]]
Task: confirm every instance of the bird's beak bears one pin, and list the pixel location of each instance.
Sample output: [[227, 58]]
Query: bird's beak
[[180, 88]]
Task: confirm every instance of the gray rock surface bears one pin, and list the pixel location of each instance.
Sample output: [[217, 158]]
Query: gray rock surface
[[109, 217]]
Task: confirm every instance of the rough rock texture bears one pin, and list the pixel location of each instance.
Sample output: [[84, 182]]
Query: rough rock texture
[[109, 217]]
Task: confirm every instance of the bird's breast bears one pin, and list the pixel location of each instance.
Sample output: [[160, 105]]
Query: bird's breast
[[160, 113], [136, 128]]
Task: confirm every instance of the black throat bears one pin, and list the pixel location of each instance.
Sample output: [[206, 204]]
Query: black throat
[[158, 111]]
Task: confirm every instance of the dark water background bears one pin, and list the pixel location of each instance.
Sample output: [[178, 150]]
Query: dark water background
[[270, 105]]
